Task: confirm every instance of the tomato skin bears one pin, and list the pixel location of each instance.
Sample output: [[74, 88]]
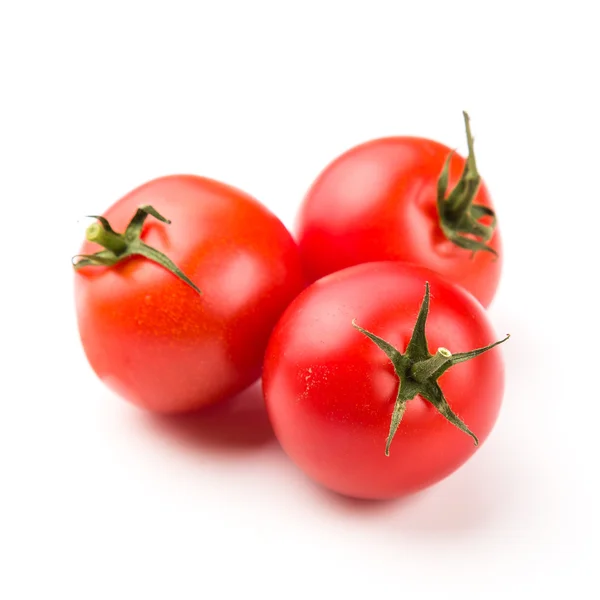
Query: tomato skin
[[152, 338], [377, 202], [330, 391]]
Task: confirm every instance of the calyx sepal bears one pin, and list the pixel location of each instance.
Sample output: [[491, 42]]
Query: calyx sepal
[[119, 246], [459, 217], [418, 371]]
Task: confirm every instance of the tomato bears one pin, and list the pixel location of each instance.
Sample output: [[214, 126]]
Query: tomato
[[388, 199], [348, 367], [147, 331]]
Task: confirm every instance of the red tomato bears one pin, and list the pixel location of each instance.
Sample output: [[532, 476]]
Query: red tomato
[[380, 201], [147, 333], [332, 394]]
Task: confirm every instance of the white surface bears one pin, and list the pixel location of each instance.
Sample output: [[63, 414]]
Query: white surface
[[102, 501]]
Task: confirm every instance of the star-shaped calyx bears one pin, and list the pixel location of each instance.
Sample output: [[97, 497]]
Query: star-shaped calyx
[[418, 371], [119, 246], [459, 217]]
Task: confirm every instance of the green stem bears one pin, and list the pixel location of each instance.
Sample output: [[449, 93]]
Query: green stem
[[418, 371], [424, 369], [458, 215], [119, 246], [107, 239]]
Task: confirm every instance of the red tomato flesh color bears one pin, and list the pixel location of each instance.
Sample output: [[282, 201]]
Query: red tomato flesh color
[[330, 391], [152, 338], [377, 202]]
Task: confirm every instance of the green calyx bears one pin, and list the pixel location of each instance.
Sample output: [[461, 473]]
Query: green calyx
[[418, 371], [119, 246], [459, 217]]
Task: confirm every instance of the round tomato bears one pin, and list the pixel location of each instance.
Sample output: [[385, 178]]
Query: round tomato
[[388, 199], [177, 316], [354, 394]]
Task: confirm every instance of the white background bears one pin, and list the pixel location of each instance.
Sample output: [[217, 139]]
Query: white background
[[103, 501]]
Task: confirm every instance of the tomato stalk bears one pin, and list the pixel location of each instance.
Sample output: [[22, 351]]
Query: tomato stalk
[[119, 246], [459, 217], [418, 371], [106, 238], [423, 370]]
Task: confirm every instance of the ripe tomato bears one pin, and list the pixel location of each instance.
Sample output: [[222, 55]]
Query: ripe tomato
[[386, 200], [334, 396], [147, 331]]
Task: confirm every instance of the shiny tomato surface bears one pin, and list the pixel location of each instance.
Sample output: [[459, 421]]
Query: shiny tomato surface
[[156, 341], [378, 201], [330, 391]]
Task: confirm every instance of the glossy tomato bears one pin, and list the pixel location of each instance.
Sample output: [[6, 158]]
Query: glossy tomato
[[334, 396], [388, 199], [146, 330]]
